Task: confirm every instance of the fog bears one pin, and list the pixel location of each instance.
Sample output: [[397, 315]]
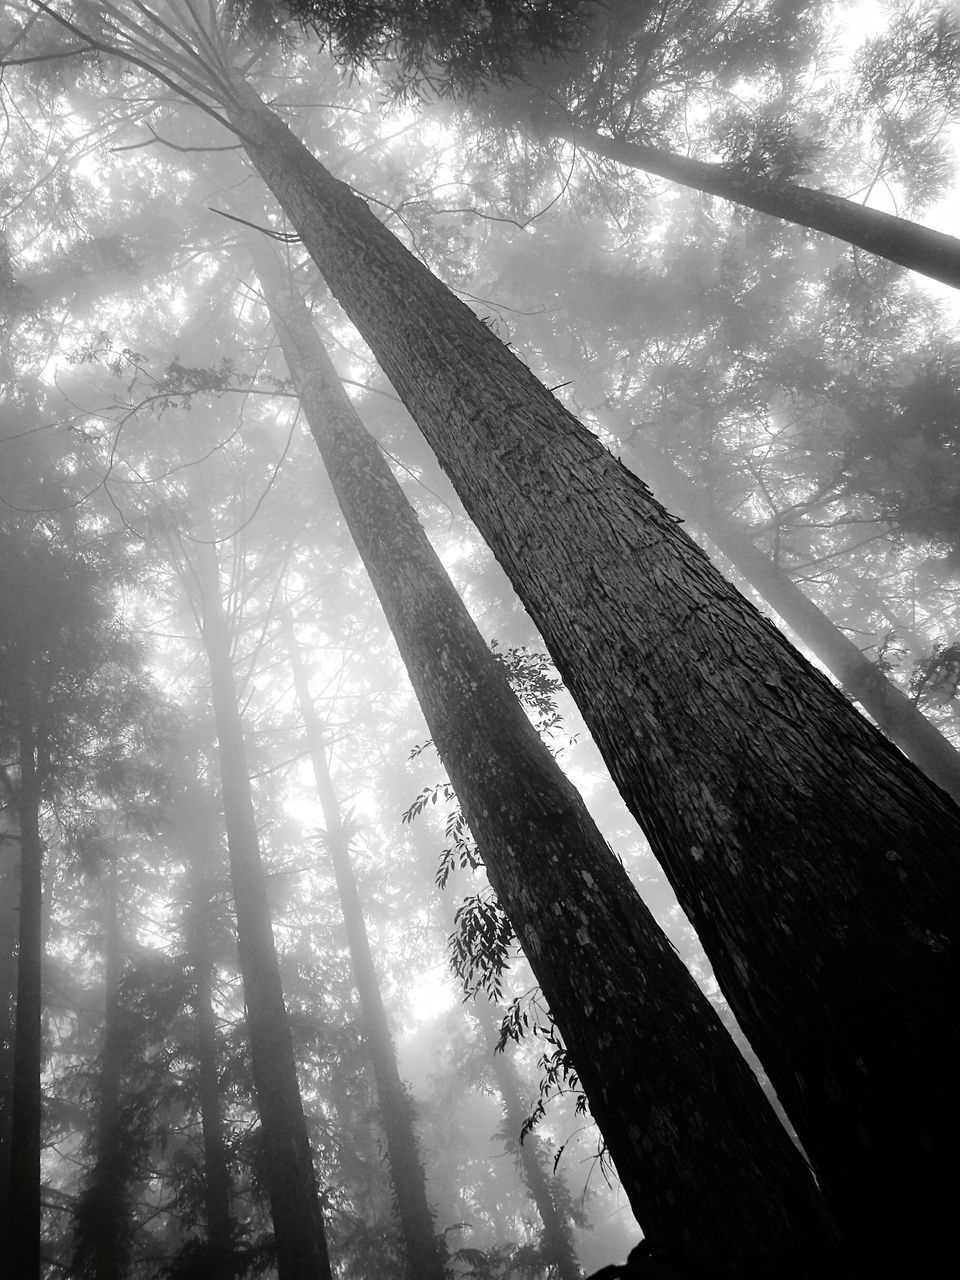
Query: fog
[[479, 659]]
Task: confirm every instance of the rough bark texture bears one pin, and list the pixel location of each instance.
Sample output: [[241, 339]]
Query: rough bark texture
[[817, 865], [396, 1108], [290, 1177], [557, 1237], [23, 1241], [701, 1156], [919, 248], [899, 717]]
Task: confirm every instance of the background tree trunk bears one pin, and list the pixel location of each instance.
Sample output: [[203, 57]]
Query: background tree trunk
[[702, 1158], [291, 1181], [196, 831], [23, 1243], [557, 1237], [919, 248], [396, 1107]]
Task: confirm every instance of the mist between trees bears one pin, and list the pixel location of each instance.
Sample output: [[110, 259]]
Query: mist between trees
[[479, 657]]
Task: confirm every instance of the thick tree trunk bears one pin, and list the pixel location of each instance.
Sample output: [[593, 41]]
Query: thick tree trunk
[[23, 1241], [557, 1237], [919, 248], [700, 1154], [396, 1107], [290, 1177], [817, 865], [899, 718]]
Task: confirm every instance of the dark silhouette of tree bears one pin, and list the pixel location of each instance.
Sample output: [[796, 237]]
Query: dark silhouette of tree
[[290, 1178]]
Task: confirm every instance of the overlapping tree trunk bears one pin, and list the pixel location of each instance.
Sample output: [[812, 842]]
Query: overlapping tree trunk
[[817, 865], [701, 1156]]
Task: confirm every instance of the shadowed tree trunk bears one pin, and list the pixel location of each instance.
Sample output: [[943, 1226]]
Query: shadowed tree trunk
[[702, 1158], [919, 248], [816, 864], [23, 1241], [557, 1237], [290, 1178], [896, 714], [396, 1107]]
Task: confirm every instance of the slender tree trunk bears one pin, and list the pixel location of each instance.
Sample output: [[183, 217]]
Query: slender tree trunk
[[106, 1201], [290, 1177], [919, 248], [396, 1107], [898, 717], [23, 1245], [700, 1154], [816, 864], [557, 1237], [9, 927], [216, 1168]]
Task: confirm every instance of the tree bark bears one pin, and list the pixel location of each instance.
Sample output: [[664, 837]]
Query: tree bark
[[557, 1237], [899, 718], [290, 1177], [701, 1156], [396, 1107], [911, 245], [23, 1241], [816, 864]]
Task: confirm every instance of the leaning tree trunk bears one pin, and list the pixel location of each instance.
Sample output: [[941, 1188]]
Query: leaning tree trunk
[[290, 1177], [816, 864], [911, 245], [700, 1154], [527, 1148], [396, 1107], [897, 715], [23, 1238]]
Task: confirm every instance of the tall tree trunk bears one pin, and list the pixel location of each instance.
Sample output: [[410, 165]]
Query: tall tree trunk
[[899, 717], [290, 1177], [396, 1107], [919, 248], [700, 1154], [557, 1237], [9, 924], [23, 1243], [816, 864], [216, 1190]]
